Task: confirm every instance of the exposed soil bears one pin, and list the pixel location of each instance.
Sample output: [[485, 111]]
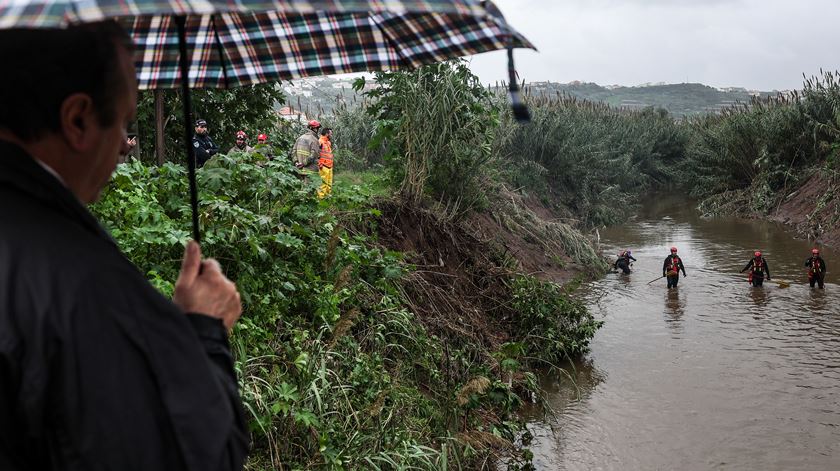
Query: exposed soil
[[813, 210], [459, 286], [530, 255]]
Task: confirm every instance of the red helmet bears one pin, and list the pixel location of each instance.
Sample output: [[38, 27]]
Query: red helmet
[[314, 124], [815, 251], [673, 250], [262, 137], [757, 253], [241, 134]]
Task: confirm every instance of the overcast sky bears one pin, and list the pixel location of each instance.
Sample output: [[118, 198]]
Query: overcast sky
[[756, 44]]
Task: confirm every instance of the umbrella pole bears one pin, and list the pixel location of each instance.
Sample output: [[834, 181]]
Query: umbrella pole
[[181, 21], [520, 109]]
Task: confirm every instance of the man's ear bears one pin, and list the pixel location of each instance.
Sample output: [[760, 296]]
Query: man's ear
[[78, 118]]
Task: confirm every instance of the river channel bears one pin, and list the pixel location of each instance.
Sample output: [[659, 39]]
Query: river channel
[[712, 375]]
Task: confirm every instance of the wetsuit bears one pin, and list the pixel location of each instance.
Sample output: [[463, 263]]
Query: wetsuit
[[758, 268], [623, 263], [671, 270], [816, 272]]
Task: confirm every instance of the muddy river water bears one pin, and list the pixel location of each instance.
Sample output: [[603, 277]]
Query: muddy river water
[[713, 375]]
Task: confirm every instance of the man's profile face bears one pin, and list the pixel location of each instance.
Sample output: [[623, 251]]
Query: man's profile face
[[113, 141]]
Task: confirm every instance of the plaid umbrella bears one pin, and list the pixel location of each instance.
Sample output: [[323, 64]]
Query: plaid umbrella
[[231, 43], [232, 50]]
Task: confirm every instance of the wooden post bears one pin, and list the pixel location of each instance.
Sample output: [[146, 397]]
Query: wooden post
[[159, 140]]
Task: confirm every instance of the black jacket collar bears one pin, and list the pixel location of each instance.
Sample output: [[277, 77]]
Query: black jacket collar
[[20, 171]]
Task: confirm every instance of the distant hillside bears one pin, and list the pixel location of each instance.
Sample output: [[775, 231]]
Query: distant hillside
[[679, 99], [319, 95]]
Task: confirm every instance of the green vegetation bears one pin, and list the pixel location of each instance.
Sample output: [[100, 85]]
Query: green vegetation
[[353, 355], [750, 158], [539, 306], [226, 111], [380, 330], [590, 158], [436, 125], [680, 100], [336, 371]]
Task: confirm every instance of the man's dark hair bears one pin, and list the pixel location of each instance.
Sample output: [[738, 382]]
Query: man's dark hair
[[42, 67], [325, 131]]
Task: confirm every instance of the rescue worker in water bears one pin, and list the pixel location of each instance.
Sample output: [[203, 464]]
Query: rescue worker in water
[[758, 268], [816, 269], [671, 268], [623, 262]]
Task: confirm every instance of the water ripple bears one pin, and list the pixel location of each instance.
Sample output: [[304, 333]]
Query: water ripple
[[714, 374]]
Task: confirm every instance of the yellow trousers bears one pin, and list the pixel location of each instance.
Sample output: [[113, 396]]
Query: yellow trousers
[[326, 181]]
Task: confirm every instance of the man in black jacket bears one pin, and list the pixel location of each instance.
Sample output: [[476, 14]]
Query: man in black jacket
[[98, 371], [203, 146]]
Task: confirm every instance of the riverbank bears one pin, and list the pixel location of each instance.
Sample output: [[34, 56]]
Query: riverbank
[[773, 158], [375, 331], [813, 210]]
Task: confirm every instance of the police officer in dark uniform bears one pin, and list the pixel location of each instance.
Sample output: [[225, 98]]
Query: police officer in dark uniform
[[203, 146]]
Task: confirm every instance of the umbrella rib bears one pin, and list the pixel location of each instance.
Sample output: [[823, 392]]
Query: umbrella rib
[[219, 49]]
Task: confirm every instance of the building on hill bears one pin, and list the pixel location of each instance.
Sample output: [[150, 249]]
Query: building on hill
[[633, 104], [290, 114]]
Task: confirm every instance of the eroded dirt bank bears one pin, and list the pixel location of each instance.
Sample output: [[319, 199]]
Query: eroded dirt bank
[[813, 210]]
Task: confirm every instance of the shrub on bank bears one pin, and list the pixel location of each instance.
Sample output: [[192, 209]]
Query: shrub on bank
[[336, 372], [589, 157], [766, 148]]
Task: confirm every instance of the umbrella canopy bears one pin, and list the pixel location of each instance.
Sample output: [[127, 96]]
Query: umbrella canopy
[[236, 49], [230, 43], [233, 43], [60, 13]]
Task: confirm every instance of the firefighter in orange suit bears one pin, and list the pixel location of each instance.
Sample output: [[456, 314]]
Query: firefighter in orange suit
[[325, 163]]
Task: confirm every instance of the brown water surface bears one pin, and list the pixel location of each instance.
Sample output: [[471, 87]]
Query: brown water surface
[[713, 375]]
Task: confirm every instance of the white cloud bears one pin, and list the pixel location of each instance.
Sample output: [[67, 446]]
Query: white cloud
[[765, 44]]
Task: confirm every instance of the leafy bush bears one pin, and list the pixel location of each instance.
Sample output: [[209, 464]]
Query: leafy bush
[[553, 326], [336, 372], [328, 356], [245, 108]]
